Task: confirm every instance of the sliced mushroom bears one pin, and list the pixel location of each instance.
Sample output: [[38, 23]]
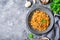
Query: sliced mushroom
[[44, 38], [44, 1], [27, 4]]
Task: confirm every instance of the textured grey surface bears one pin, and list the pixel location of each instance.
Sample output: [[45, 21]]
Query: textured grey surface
[[12, 21]]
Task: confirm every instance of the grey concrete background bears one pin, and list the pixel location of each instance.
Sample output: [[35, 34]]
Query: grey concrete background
[[12, 16]]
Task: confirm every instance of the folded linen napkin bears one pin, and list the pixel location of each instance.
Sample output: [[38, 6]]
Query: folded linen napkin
[[54, 33]]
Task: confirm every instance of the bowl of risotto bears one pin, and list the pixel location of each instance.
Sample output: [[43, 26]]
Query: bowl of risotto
[[40, 20]]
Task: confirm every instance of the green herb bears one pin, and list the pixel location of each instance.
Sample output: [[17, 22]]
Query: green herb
[[30, 35], [55, 6], [56, 1], [43, 21]]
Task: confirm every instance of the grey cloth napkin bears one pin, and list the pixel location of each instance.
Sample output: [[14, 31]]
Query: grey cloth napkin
[[53, 34]]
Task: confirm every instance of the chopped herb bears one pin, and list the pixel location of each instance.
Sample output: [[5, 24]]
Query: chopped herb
[[30, 35], [55, 6], [43, 21]]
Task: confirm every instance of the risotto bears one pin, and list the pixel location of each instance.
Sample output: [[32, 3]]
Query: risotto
[[39, 20]]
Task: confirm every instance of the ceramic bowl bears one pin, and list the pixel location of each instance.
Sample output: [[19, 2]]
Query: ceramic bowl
[[49, 12]]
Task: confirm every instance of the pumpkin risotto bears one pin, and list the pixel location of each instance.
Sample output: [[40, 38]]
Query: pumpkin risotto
[[39, 20]]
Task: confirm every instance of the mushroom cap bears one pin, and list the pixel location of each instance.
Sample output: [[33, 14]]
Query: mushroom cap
[[44, 1], [27, 4]]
